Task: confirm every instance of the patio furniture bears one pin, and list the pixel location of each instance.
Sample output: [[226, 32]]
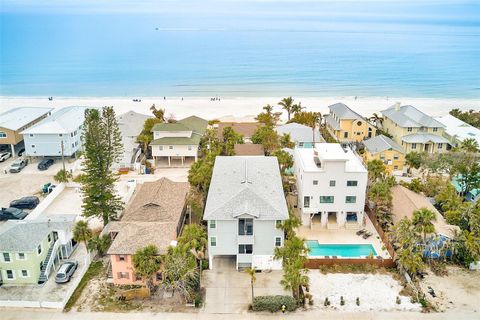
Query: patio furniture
[[367, 235], [327, 257], [334, 257], [360, 232]]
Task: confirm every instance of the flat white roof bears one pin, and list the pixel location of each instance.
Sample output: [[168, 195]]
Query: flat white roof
[[459, 129], [330, 152], [17, 118]]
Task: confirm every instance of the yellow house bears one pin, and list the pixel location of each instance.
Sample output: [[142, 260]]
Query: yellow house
[[385, 149], [414, 130], [344, 124]]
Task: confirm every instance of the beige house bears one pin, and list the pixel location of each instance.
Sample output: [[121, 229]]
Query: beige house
[[14, 121], [344, 124], [414, 130]]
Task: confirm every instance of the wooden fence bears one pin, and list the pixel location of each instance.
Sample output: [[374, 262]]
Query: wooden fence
[[381, 233]]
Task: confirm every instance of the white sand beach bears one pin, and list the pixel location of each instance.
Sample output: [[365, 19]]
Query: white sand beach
[[237, 107]]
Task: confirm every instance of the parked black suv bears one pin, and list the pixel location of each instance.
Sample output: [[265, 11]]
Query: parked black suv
[[12, 214], [25, 203], [45, 164]]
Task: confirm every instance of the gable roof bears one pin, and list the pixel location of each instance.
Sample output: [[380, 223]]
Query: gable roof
[[409, 116], [342, 111], [381, 143], [17, 118], [299, 132], [246, 185], [63, 121], [193, 123], [131, 123], [423, 138], [152, 217], [26, 235]]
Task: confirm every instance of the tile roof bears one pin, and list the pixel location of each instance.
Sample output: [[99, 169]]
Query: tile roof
[[63, 121], [248, 149], [381, 143], [246, 185], [17, 118], [409, 116], [26, 235], [152, 217], [299, 132], [423, 138]]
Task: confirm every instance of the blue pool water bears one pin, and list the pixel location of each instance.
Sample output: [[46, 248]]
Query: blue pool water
[[340, 250]]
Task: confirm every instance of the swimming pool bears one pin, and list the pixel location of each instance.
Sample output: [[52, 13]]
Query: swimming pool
[[340, 250]]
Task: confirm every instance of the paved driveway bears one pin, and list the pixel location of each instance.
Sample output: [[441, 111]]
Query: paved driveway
[[229, 291]]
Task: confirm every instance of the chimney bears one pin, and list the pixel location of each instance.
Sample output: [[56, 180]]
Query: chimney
[[397, 106]]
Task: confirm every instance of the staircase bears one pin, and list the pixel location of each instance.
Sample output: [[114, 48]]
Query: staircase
[[47, 263]]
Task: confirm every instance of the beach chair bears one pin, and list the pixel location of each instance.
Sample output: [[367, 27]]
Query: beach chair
[[367, 235], [360, 232]]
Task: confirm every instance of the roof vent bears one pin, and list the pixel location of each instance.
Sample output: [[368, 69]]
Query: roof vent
[[245, 180], [397, 106]]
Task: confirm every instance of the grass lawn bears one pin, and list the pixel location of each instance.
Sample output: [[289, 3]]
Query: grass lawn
[[95, 269]]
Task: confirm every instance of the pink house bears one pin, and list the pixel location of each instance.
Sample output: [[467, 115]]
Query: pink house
[[155, 215]]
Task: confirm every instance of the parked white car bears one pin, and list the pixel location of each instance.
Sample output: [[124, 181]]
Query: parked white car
[[4, 156]]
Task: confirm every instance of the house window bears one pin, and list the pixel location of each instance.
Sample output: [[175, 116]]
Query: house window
[[435, 129], [395, 157], [6, 257], [39, 249], [278, 223], [306, 202], [345, 134], [359, 133], [245, 227], [122, 275], [160, 148], [440, 146], [315, 182], [60, 135], [245, 248], [350, 199], [189, 148], [21, 256], [33, 146], [352, 183], [278, 241], [170, 147], [49, 238], [121, 258], [3, 134], [359, 123], [326, 199], [71, 134], [332, 183], [300, 144], [395, 167], [409, 129], [414, 146], [31, 135], [213, 224], [213, 241], [73, 145], [10, 274], [25, 273]]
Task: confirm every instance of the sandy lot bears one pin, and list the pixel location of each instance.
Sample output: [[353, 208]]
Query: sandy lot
[[377, 292], [459, 291]]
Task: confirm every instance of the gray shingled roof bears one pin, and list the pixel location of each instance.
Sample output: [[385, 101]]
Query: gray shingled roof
[[342, 111], [423, 138], [246, 185], [25, 235], [299, 132], [409, 116], [381, 143]]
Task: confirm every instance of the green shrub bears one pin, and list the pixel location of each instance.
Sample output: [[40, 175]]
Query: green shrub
[[273, 303]]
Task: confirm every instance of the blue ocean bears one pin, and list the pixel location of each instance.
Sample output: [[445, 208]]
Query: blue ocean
[[240, 48]]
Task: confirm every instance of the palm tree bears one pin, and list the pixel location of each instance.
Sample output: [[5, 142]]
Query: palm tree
[[422, 220], [376, 119], [252, 273], [295, 277], [158, 113], [376, 170], [285, 160], [296, 108], [145, 140], [81, 232], [193, 237], [287, 105], [180, 272], [288, 226], [100, 244], [470, 145], [146, 263], [313, 118], [410, 260]]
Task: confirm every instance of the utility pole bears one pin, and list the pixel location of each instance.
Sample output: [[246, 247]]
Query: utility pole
[[63, 157]]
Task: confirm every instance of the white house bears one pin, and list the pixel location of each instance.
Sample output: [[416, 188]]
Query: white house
[[130, 125], [331, 184], [245, 205], [179, 140], [63, 129], [301, 135], [456, 131]]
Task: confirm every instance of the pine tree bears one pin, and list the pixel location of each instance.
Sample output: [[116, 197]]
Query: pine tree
[[102, 147]]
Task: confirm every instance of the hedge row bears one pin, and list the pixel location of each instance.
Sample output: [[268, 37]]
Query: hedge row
[[273, 303]]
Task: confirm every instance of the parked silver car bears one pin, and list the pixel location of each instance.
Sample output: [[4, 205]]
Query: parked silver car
[[18, 165], [66, 271], [4, 156]]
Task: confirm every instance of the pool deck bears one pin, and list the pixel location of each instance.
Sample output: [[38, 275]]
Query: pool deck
[[343, 236]]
